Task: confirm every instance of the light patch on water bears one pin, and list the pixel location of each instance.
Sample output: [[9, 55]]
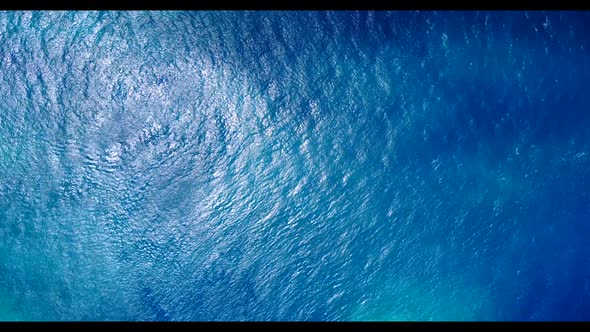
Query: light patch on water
[[7, 313], [444, 301], [114, 153]]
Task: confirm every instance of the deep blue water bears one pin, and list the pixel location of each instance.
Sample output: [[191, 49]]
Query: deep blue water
[[294, 166]]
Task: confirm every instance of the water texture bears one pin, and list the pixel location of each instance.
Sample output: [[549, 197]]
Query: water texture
[[294, 166]]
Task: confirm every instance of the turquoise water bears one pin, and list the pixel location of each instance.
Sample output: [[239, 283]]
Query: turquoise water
[[294, 166]]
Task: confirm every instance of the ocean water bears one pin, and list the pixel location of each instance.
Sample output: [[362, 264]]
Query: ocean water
[[340, 166]]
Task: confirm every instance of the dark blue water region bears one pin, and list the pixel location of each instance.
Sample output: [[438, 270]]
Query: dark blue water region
[[294, 166]]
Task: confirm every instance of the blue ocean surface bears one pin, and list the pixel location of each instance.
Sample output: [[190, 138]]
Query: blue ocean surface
[[295, 166]]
